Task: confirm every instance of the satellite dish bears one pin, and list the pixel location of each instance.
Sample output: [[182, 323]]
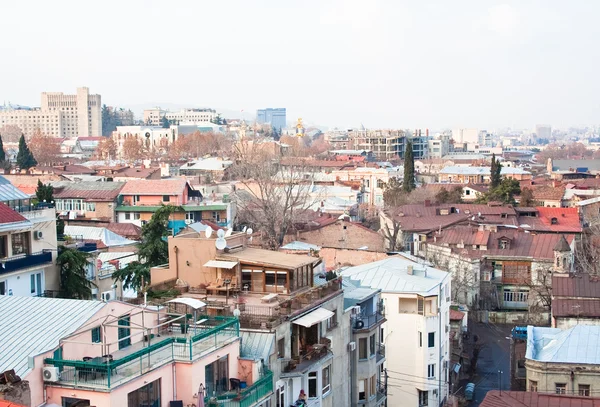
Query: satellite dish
[[229, 232], [220, 233], [249, 231], [244, 229], [220, 243], [208, 232]]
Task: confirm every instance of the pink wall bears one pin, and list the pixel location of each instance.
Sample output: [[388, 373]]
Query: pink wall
[[157, 199]]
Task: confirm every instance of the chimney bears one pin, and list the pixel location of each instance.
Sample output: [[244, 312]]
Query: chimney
[[427, 203], [409, 270]]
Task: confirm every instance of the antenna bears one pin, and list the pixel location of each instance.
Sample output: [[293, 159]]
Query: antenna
[[220, 233], [229, 232], [208, 232], [220, 243], [249, 231]]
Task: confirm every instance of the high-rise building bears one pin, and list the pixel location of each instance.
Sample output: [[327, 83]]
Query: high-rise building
[[276, 117], [543, 131], [465, 135], [59, 115]]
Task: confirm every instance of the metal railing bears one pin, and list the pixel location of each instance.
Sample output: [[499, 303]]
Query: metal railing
[[118, 371], [14, 263], [249, 396], [369, 321]]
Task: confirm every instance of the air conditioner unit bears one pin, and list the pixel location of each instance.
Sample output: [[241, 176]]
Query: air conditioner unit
[[38, 234], [351, 346], [106, 295], [355, 310], [51, 374]]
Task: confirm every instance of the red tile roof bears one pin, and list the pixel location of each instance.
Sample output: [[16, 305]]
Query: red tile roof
[[456, 315], [496, 398], [566, 220], [4, 403], [27, 189], [548, 192], [174, 186], [8, 215]]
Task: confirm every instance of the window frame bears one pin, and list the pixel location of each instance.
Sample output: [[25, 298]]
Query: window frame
[[372, 345], [326, 388], [363, 355], [585, 391], [431, 371], [96, 333], [313, 379], [560, 388], [431, 339], [533, 386]]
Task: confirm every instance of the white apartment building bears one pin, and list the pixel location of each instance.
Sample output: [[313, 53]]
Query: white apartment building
[[151, 137], [417, 303], [59, 115], [153, 116]]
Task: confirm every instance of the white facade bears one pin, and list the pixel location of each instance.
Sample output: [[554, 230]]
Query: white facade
[[462, 135], [60, 115], [153, 116], [417, 303], [151, 137]]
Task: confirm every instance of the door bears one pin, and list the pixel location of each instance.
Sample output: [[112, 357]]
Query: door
[[38, 283], [124, 332], [2, 287]]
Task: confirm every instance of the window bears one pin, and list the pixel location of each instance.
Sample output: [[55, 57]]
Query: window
[[32, 283], [166, 198], [423, 398], [431, 371], [332, 322], [584, 390], [561, 388], [362, 390], [373, 385], [281, 348], [362, 348], [420, 305], [533, 386], [326, 379], [420, 339], [127, 215], [2, 287], [149, 395], [503, 244], [520, 295], [312, 384], [136, 216], [431, 340], [20, 243], [96, 335], [90, 206]]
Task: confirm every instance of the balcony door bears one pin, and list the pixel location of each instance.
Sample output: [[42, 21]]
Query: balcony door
[[216, 376], [124, 332]]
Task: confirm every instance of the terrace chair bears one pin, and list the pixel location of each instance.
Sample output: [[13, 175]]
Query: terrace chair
[[234, 384], [84, 373]]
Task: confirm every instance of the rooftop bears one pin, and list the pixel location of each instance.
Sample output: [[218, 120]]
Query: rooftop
[[392, 275], [269, 258], [88, 190], [103, 235], [8, 192], [173, 186], [578, 345], [453, 169], [496, 398]]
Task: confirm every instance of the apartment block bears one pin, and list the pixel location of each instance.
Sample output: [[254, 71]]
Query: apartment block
[[154, 116], [59, 115]]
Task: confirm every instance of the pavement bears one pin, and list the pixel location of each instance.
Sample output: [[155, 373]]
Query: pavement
[[494, 357]]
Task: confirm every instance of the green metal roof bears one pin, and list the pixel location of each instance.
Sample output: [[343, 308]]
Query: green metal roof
[[187, 208]]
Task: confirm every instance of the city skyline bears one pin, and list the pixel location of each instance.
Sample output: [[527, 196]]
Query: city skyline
[[341, 64]]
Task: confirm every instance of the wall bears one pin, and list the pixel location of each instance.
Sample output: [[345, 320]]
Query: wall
[[566, 323], [548, 374], [344, 235], [332, 256]]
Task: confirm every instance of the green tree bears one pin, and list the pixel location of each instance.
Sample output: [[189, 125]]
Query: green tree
[[506, 191], [25, 159], [409, 169], [2, 153], [44, 192], [60, 227], [164, 122], [72, 264], [495, 173], [393, 193], [453, 195], [527, 199], [153, 250]]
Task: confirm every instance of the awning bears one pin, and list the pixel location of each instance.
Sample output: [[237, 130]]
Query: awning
[[221, 264], [192, 302], [312, 318]]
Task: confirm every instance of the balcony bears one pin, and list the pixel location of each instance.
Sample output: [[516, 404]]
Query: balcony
[[249, 396], [380, 354], [142, 357], [15, 263], [367, 322]]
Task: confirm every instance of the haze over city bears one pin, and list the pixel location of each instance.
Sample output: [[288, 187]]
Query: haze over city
[[393, 64]]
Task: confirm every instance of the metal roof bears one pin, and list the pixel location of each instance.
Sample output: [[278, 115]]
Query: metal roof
[[8, 192], [31, 326], [578, 345], [221, 264], [257, 345], [391, 275], [453, 169], [102, 234], [302, 246], [192, 302]]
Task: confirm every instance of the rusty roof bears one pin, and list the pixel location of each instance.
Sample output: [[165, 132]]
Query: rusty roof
[[456, 315], [128, 230], [496, 398], [174, 186], [580, 285], [8, 215], [564, 307], [135, 172], [555, 220], [88, 190]]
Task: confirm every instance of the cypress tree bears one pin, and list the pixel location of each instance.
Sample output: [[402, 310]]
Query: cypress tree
[[25, 159], [409, 169], [2, 153], [495, 173]]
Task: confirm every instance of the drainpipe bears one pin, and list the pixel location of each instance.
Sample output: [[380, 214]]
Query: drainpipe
[[175, 249], [352, 368], [440, 344]]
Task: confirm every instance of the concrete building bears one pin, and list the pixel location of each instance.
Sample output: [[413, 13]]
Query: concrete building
[[563, 361], [153, 117], [59, 115], [385, 144], [86, 200], [152, 138], [465, 135], [276, 117], [294, 318], [479, 175], [416, 331], [543, 131]]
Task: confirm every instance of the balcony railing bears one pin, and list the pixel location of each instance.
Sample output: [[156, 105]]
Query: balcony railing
[[249, 396], [15, 263], [130, 365], [368, 321]]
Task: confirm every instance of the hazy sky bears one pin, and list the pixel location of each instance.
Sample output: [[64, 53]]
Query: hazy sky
[[390, 63]]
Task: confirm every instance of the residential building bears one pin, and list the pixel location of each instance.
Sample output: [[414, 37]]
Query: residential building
[[153, 117], [590, 210], [141, 198], [118, 354], [152, 138], [438, 147], [276, 117], [373, 181], [209, 170], [291, 312], [575, 300], [563, 361], [27, 251], [59, 115], [367, 352], [479, 175], [385, 144], [416, 297], [464, 135], [502, 398], [572, 168], [86, 200]]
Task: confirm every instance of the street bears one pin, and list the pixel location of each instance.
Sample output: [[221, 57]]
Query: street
[[493, 357]]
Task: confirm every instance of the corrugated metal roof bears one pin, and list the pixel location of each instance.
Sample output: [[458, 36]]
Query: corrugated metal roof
[[8, 192], [480, 170], [580, 308], [302, 246], [257, 345], [391, 275], [577, 345], [102, 234], [173, 186], [579, 285], [96, 191], [33, 325]]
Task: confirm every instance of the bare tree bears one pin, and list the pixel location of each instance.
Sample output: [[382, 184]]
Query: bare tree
[[45, 149], [132, 149], [10, 133], [587, 249], [465, 280], [107, 148], [391, 230], [270, 198]]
